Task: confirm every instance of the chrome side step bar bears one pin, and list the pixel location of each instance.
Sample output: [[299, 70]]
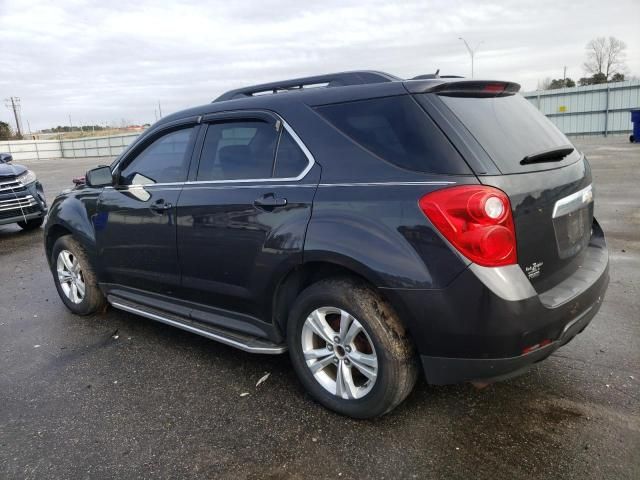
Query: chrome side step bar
[[248, 344]]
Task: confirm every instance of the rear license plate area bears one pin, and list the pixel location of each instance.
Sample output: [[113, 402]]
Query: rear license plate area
[[573, 231]]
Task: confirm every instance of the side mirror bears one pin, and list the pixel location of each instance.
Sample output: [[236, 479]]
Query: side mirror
[[99, 177], [6, 158]]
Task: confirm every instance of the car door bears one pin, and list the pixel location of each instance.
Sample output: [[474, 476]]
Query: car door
[[243, 219], [136, 219]]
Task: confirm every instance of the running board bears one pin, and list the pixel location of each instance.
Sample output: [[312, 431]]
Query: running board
[[238, 340]]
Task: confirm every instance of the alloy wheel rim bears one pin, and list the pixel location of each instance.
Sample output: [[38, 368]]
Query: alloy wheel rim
[[339, 353], [70, 276]]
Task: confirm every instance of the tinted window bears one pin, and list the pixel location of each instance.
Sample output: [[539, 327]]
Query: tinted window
[[509, 128], [165, 160], [238, 151], [290, 159], [397, 130]]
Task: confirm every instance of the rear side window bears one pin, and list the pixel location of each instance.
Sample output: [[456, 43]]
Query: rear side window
[[509, 128], [397, 130], [290, 159]]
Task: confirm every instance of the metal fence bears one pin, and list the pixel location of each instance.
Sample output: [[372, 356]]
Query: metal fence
[[592, 110], [74, 148]]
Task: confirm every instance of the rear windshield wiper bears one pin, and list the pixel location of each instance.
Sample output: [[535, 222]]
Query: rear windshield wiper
[[551, 155]]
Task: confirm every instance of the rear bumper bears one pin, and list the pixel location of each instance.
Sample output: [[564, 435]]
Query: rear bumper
[[443, 370], [478, 328]]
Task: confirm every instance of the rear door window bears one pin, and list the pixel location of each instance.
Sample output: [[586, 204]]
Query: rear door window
[[510, 128], [239, 150], [397, 130]]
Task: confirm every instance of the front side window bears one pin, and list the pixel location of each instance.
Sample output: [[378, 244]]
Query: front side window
[[166, 160], [241, 150]]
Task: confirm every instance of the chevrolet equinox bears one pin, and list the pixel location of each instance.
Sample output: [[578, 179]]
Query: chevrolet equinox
[[374, 227]]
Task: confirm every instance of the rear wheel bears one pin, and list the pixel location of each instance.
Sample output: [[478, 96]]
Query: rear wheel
[[74, 277], [31, 224], [349, 349]]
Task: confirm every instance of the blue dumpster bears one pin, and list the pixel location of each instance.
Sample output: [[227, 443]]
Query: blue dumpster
[[635, 119]]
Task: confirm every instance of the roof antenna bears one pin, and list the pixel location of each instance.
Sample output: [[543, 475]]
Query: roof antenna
[[427, 76]]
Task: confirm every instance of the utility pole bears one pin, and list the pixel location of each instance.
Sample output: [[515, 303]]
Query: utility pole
[[13, 103], [472, 51], [160, 108], [70, 124], [564, 75]]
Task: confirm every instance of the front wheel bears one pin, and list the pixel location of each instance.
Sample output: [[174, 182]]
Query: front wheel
[[349, 349], [74, 277]]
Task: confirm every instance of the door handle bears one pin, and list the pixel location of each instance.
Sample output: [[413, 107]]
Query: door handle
[[270, 201], [160, 206]]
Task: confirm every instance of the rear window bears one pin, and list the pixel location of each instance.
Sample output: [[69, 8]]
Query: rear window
[[397, 130], [509, 128]]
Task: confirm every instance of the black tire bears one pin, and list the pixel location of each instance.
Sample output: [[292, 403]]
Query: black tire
[[93, 300], [631, 138], [31, 224], [397, 367]]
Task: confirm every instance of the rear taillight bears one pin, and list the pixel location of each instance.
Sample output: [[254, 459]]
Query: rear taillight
[[476, 220]]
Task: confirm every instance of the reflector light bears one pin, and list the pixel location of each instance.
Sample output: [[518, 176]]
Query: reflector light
[[537, 346], [477, 220]]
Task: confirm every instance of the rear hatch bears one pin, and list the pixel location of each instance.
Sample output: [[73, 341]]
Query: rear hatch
[[547, 180]]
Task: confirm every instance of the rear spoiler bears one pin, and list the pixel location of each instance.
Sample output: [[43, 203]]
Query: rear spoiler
[[463, 88]]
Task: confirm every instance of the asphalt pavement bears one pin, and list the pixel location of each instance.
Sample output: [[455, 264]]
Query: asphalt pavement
[[119, 396]]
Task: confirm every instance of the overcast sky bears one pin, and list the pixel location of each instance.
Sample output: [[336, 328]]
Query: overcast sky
[[104, 61]]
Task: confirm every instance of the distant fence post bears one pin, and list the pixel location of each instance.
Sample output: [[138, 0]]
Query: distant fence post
[[606, 111]]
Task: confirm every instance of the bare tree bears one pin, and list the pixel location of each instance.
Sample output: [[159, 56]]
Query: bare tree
[[544, 84], [606, 56]]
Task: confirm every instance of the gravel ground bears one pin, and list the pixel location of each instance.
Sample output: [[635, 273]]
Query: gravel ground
[[116, 395]]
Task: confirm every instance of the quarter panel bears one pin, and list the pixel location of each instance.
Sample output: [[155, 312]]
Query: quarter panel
[[380, 230]]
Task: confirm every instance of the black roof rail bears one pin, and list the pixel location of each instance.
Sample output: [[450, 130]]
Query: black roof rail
[[332, 80]]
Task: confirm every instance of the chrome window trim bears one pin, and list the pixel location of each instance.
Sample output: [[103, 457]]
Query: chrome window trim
[[311, 161], [290, 185], [573, 202], [386, 184]]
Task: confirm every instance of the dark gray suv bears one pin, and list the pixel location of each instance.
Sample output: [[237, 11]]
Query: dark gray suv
[[373, 227]]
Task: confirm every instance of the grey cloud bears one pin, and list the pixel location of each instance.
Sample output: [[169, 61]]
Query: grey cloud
[[103, 61]]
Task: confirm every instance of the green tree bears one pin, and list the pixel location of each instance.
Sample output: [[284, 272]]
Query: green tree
[[618, 77], [595, 79], [560, 83], [5, 131]]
